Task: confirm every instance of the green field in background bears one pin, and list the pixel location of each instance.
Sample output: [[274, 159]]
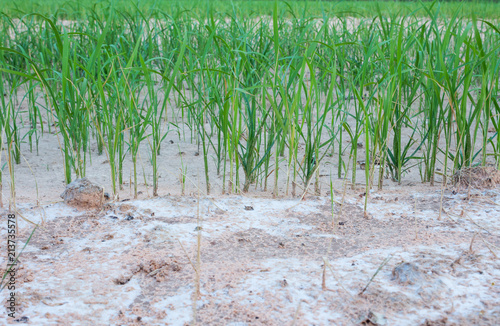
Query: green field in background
[[242, 8]]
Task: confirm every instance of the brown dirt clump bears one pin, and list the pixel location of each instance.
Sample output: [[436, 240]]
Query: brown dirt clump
[[479, 177], [83, 193]]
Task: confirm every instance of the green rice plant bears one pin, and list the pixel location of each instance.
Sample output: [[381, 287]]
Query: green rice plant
[[137, 122], [197, 112], [35, 118], [292, 90], [489, 93], [3, 126], [488, 64], [183, 175], [312, 136], [113, 122], [367, 131], [381, 132], [72, 117], [248, 150], [401, 92], [2, 167], [458, 101], [8, 121], [433, 110]]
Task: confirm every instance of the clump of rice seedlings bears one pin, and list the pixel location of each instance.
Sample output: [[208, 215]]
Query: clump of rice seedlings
[[260, 95], [157, 116], [248, 145]]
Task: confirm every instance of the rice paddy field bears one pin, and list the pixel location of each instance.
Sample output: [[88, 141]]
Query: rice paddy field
[[262, 162]]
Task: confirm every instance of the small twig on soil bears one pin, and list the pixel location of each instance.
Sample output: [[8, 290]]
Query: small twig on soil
[[96, 302], [325, 261], [323, 281], [156, 271], [448, 215], [376, 272], [472, 242], [345, 185], [479, 226], [415, 218], [303, 195], [463, 213], [18, 213], [196, 294], [198, 249], [487, 244], [489, 201], [53, 304], [187, 256], [443, 186], [296, 316]]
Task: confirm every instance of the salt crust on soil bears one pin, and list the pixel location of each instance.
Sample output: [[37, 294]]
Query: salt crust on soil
[[130, 264], [98, 268]]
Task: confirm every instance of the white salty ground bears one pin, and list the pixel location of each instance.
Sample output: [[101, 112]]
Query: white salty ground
[[135, 262], [261, 260]]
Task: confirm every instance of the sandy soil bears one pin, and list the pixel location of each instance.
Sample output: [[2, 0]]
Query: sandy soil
[[264, 261], [247, 259]]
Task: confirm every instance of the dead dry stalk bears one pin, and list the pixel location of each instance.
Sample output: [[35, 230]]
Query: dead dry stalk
[[376, 272], [196, 293]]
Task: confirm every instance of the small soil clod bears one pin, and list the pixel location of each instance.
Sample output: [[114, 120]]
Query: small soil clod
[[406, 274]]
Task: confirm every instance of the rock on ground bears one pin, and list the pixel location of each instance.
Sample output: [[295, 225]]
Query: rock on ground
[[83, 193], [407, 274]]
